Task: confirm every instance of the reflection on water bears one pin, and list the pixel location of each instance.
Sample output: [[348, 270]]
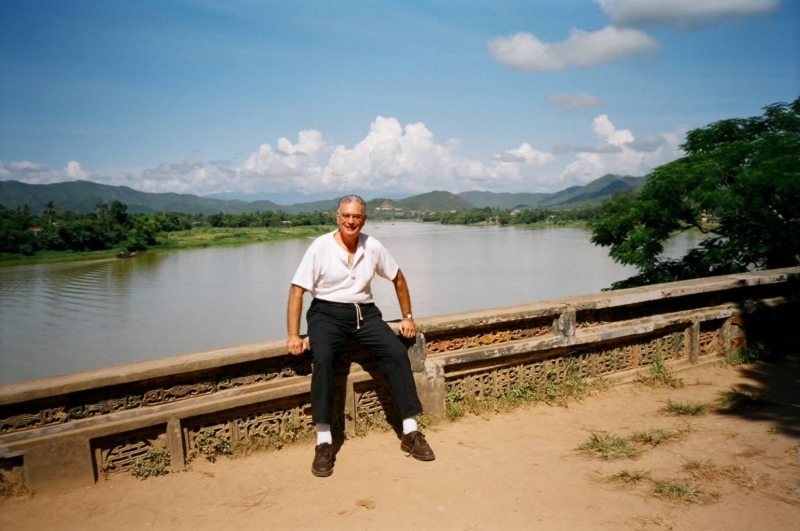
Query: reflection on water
[[62, 318]]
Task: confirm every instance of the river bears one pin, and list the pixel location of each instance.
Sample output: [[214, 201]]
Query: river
[[63, 318]]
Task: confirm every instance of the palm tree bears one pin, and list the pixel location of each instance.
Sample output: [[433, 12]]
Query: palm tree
[[50, 210], [102, 209]]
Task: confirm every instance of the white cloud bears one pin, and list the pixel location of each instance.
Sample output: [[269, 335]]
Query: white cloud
[[390, 157], [574, 102], [682, 13], [74, 170], [25, 166], [524, 51], [623, 153]]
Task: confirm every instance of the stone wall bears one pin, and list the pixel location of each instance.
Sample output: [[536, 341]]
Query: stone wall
[[68, 431]]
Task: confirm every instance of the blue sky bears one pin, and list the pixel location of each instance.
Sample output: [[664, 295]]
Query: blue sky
[[259, 97]]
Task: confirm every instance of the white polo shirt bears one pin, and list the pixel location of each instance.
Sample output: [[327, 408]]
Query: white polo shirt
[[324, 270]]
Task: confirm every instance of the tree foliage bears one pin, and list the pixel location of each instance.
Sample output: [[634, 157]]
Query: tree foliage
[[111, 227], [739, 183]]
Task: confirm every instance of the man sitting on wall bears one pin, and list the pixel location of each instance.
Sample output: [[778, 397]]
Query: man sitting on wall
[[337, 269]]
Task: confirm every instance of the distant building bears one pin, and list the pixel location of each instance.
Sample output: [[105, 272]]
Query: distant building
[[35, 230]]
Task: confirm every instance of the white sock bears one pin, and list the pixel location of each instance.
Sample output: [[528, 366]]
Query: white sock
[[324, 434], [409, 425]]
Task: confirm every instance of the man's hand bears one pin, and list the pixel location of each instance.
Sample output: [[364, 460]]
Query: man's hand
[[296, 345], [407, 328]]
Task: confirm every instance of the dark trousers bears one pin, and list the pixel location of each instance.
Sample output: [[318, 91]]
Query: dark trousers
[[329, 325]]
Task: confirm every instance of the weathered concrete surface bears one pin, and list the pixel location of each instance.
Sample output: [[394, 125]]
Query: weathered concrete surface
[[54, 464]]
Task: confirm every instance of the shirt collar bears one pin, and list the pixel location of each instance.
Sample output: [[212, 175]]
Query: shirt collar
[[362, 238]]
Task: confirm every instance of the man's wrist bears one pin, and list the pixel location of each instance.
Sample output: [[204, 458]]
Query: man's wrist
[[408, 316]]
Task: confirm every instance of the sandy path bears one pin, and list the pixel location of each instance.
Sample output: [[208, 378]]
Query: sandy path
[[511, 471]]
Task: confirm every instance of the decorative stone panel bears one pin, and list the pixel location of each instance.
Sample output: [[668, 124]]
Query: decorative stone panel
[[710, 342], [271, 419], [450, 341], [117, 453], [490, 380], [373, 404], [82, 405]]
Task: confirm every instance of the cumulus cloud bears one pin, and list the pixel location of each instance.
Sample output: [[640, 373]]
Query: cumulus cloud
[[523, 51], [391, 157], [621, 153], [75, 171], [574, 102], [681, 13]]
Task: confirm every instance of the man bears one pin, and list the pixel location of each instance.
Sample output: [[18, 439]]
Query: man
[[337, 269]]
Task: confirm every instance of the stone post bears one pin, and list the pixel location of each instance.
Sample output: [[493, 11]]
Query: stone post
[[177, 453], [428, 378]]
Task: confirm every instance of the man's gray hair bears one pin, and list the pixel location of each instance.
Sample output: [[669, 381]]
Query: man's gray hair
[[350, 199]]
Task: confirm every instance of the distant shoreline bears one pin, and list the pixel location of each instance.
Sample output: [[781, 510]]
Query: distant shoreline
[[206, 237], [189, 239]]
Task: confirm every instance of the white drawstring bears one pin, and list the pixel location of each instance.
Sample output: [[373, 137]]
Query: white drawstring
[[358, 316]]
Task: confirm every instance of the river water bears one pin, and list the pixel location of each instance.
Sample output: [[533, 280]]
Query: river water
[[63, 318]]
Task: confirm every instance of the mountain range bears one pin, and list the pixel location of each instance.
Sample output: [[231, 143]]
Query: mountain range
[[83, 196]]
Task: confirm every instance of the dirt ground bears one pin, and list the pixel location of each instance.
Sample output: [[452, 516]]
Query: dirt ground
[[517, 470]]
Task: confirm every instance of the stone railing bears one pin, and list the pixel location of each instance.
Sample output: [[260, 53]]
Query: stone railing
[[68, 431]]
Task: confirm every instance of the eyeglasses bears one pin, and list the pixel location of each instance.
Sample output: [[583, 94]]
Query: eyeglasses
[[354, 217]]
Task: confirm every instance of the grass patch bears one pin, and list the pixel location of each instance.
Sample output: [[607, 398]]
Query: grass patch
[[660, 375], [13, 487], [700, 468], [551, 390], [735, 401], [692, 409], [155, 463], [751, 353], [628, 478], [684, 491], [654, 437], [214, 237], [608, 446], [737, 474]]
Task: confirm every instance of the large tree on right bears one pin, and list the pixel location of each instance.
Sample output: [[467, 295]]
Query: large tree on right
[[739, 183]]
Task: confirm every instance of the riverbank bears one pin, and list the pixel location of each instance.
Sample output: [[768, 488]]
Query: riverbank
[[168, 241]]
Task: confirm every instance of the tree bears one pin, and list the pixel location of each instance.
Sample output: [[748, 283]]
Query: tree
[[102, 210], [49, 210], [119, 212], [739, 184]]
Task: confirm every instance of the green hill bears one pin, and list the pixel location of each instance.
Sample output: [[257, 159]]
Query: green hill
[[502, 200], [83, 196], [436, 201], [596, 191]]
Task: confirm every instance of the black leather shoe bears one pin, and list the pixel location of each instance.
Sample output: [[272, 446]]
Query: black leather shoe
[[416, 446], [322, 466]]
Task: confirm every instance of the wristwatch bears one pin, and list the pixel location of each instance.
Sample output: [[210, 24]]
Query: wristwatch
[[408, 316]]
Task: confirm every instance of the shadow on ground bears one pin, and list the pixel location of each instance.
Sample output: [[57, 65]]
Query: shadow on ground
[[778, 383]]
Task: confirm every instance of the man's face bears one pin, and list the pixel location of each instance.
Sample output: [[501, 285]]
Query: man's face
[[351, 218]]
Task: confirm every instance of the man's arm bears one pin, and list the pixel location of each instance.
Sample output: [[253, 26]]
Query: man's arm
[[294, 343], [407, 328]]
